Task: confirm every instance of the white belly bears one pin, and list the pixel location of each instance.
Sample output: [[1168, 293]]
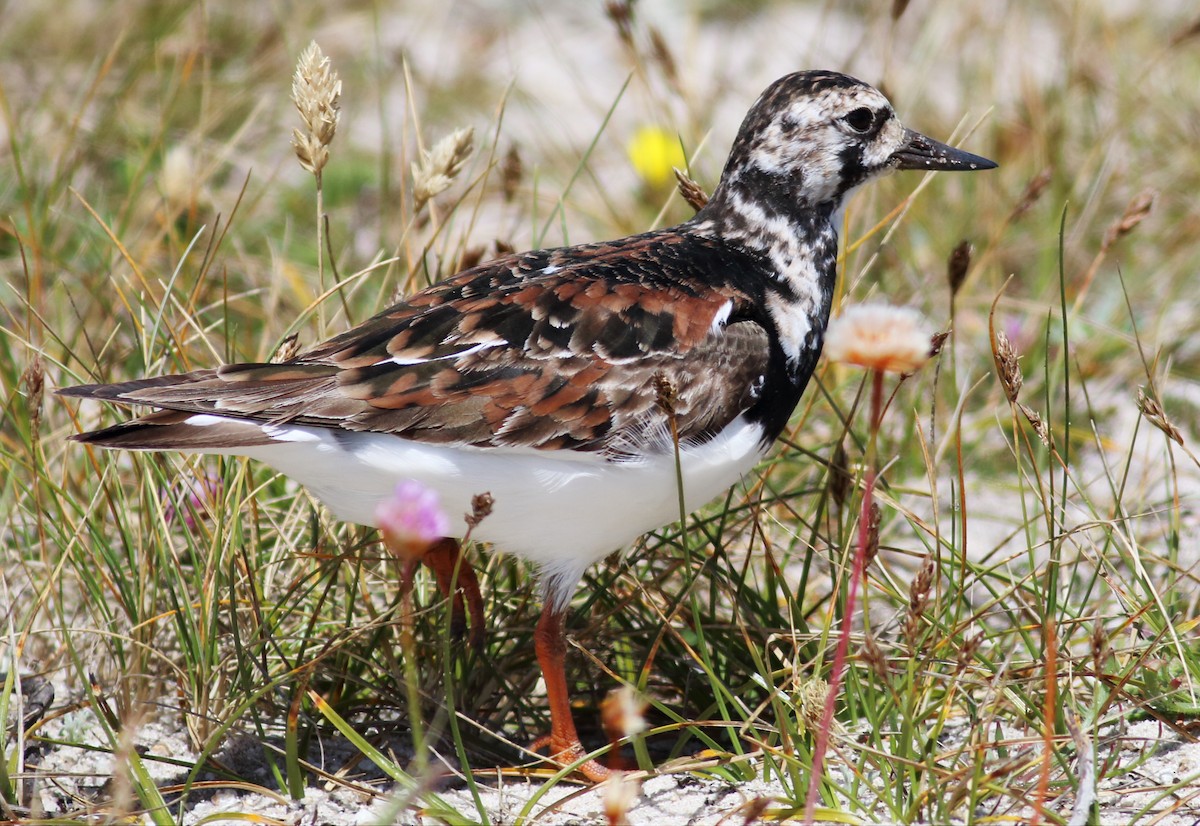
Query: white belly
[[561, 509]]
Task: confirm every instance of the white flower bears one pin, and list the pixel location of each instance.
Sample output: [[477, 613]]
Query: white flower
[[879, 337]]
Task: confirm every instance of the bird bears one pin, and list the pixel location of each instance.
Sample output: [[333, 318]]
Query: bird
[[539, 377]]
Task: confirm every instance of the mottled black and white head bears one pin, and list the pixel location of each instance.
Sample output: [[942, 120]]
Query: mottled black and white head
[[814, 136]]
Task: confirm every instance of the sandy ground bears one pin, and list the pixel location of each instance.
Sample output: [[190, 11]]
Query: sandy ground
[[1138, 762]]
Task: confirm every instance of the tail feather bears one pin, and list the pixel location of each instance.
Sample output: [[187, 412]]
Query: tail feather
[[179, 431], [126, 392]]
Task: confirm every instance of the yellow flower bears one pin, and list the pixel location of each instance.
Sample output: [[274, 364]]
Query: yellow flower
[[654, 152], [879, 337]]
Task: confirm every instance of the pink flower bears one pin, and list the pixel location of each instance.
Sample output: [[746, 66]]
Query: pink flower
[[411, 519], [200, 496]]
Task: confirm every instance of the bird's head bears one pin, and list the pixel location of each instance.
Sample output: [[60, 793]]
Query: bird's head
[[813, 136]]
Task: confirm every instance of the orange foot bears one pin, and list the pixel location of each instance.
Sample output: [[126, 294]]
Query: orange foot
[[567, 752]]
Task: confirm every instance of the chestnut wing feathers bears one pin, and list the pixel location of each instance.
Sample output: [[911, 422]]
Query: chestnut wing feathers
[[559, 349]]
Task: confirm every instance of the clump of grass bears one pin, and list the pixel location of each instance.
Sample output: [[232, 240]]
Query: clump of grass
[[1033, 585]]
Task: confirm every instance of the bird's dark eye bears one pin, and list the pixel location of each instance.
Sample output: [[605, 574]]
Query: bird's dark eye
[[860, 120]]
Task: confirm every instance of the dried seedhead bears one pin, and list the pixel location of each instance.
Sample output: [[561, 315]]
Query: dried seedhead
[[470, 257], [937, 342], [439, 166], [809, 701], [511, 172], [840, 480], [966, 654], [874, 657], [874, 517], [957, 266], [665, 393], [918, 601], [1007, 366], [1033, 192], [34, 379], [661, 53], [1155, 414], [317, 92], [1136, 212], [288, 349], [481, 509], [1036, 422], [690, 190], [620, 12], [1101, 650]]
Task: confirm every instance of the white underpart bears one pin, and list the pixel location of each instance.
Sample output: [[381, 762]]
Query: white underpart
[[561, 509], [447, 357], [721, 318]]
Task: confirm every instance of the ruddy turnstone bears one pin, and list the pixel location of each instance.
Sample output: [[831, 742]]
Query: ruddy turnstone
[[537, 377]]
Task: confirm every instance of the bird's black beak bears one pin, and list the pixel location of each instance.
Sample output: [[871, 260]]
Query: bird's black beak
[[921, 152]]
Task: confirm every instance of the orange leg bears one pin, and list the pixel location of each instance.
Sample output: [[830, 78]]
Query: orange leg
[[562, 741], [456, 579]]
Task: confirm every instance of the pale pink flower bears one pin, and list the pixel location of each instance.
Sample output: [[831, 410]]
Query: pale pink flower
[[411, 519], [879, 337], [200, 495]]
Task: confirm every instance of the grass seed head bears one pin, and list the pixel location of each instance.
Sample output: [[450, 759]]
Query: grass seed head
[[1007, 366], [1100, 649], [481, 508], [809, 701], [288, 349], [1136, 212], [691, 191], [665, 393], [957, 266], [874, 657], [511, 172], [840, 479], [879, 337], [439, 166], [874, 517], [1033, 192], [966, 654], [317, 92], [1155, 414], [1036, 422], [34, 379], [918, 601]]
